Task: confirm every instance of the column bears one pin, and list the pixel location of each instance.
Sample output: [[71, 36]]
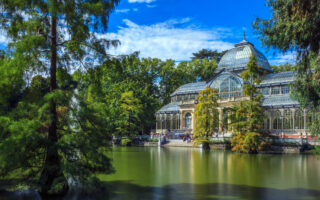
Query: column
[[305, 120], [181, 121], [229, 121], [282, 119], [220, 119], [271, 120], [193, 122]]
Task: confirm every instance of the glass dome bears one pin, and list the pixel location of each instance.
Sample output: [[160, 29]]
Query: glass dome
[[237, 58]]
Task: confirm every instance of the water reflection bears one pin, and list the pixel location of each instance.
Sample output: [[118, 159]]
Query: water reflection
[[185, 173], [175, 170]]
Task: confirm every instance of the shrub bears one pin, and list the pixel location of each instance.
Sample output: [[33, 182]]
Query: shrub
[[264, 146], [153, 140], [125, 141], [248, 142], [224, 141]]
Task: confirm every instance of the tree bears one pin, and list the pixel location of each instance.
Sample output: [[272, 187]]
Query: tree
[[47, 35], [295, 26], [209, 55], [206, 115], [129, 119], [248, 114], [203, 69], [283, 67]]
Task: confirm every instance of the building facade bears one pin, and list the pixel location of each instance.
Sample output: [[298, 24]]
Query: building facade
[[283, 115]]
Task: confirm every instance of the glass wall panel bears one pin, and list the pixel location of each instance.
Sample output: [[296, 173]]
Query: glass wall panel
[[276, 120], [275, 90], [167, 121], [178, 120], [188, 120], [266, 91], [158, 124], [227, 86], [162, 121], [285, 89], [299, 119], [266, 121], [287, 119]]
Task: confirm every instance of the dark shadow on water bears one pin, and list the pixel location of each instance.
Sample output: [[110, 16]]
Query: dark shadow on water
[[119, 190]]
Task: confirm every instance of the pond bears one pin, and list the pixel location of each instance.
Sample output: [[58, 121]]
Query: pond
[[186, 173]]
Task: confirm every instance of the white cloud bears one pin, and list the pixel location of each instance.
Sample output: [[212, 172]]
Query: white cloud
[[289, 57], [167, 40], [122, 10], [151, 6], [4, 40], [141, 1]]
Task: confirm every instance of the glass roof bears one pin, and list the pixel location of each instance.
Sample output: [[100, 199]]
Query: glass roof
[[190, 88], [238, 57], [169, 108], [278, 101], [278, 78]]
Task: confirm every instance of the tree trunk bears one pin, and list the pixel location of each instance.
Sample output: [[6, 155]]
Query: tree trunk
[[52, 179]]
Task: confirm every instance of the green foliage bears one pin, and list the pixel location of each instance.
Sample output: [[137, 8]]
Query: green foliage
[[208, 54], [172, 76], [246, 142], [129, 119], [283, 67], [125, 141], [49, 133], [153, 140], [294, 26], [126, 90], [251, 76], [206, 115], [247, 116]]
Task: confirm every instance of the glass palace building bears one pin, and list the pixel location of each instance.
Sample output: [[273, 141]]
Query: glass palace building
[[282, 113]]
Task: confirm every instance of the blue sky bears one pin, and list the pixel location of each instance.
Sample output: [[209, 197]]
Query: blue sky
[[174, 29]]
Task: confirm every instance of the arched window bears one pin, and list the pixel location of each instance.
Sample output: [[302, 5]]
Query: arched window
[[162, 121], [168, 119], [158, 119], [287, 119], [188, 120], [266, 121], [227, 86], [277, 120], [299, 119]]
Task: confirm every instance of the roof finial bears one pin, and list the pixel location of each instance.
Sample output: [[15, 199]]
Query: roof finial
[[244, 35]]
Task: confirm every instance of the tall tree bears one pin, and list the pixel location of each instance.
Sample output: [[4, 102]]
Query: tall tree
[[283, 67], [208, 54], [248, 114], [129, 119], [206, 115], [48, 34], [295, 26]]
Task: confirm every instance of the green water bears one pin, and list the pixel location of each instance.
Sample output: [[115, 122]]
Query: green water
[[186, 173]]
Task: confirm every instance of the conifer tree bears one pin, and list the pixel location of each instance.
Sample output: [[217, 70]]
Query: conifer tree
[[206, 115], [248, 114], [48, 35]]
